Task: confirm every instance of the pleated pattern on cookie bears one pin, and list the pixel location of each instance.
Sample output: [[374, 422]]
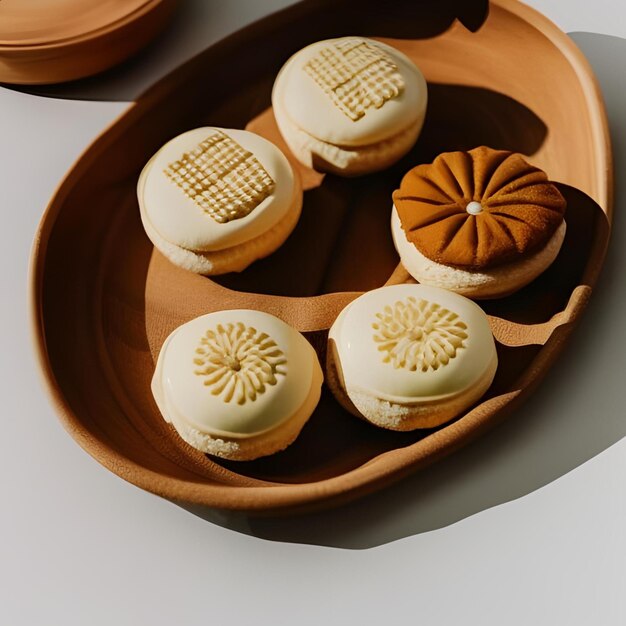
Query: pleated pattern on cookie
[[356, 75], [478, 209], [224, 179]]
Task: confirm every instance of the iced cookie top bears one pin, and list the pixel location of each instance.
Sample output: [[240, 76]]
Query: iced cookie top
[[234, 373], [213, 188], [409, 342], [351, 91]]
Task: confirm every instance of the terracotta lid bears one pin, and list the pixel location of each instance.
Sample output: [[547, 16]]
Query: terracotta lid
[[43, 22]]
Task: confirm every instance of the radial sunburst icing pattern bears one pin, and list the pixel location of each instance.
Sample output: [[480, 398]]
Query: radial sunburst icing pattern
[[238, 362], [416, 334]]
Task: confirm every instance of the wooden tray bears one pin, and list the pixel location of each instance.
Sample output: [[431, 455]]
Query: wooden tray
[[104, 300], [51, 41]]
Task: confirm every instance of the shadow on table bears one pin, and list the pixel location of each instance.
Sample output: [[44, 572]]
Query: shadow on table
[[198, 23], [560, 427]]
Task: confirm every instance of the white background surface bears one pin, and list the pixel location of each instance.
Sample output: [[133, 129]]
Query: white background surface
[[524, 527]]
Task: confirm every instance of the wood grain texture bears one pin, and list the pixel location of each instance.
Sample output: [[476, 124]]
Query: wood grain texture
[[103, 300], [53, 41]]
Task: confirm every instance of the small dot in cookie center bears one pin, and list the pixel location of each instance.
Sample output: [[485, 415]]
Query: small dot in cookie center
[[474, 208], [232, 363]]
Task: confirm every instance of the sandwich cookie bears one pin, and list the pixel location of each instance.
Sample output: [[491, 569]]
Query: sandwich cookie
[[410, 356], [237, 384], [482, 223], [349, 105], [213, 200]]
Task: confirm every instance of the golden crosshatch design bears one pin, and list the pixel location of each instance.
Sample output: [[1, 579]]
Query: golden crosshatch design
[[419, 335], [225, 180], [238, 362], [356, 75]]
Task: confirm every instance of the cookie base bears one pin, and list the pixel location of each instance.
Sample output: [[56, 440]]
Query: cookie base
[[345, 160], [497, 282], [403, 416], [252, 447], [234, 259]]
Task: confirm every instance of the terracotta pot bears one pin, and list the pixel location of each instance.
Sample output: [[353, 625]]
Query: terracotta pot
[[61, 40]]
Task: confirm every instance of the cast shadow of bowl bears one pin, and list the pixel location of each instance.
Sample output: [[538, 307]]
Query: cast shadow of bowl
[[198, 23], [343, 243], [574, 415], [352, 249], [560, 427]]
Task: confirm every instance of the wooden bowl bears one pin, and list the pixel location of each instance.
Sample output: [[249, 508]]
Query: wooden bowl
[[52, 41], [104, 300]]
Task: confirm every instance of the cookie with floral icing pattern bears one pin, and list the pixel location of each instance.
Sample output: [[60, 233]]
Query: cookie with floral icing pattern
[[237, 384], [410, 356]]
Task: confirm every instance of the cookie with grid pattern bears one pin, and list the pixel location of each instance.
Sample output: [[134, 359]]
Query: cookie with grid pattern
[[356, 75], [226, 181]]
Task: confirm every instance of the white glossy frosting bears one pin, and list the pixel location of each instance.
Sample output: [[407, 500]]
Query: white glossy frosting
[[275, 371], [179, 220], [310, 108], [404, 343]]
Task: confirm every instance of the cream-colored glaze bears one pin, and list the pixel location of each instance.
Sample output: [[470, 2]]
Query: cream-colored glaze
[[356, 75], [261, 444], [417, 334], [233, 259], [226, 181], [179, 220], [345, 160], [409, 415], [361, 364], [308, 107], [183, 397], [495, 282]]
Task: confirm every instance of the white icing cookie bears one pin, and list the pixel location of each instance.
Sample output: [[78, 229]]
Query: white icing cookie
[[345, 100], [210, 192], [242, 378], [410, 356]]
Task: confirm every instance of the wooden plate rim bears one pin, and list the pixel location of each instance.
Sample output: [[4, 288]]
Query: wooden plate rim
[[374, 474], [28, 45]]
